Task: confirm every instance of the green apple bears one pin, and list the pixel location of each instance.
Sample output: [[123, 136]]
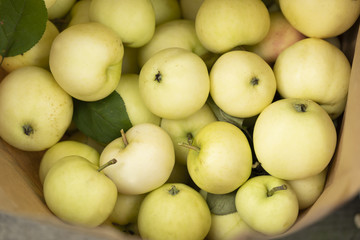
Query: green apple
[[280, 36], [174, 83], [220, 159], [314, 69], [60, 8], [66, 148], [145, 158], [126, 209], [223, 25], [35, 111], [309, 189], [132, 20], [267, 204], [184, 130], [86, 60], [166, 10], [176, 33], [321, 19], [242, 84], [226, 223], [294, 139], [128, 89], [38, 55], [79, 12], [174, 211], [77, 192], [189, 8]]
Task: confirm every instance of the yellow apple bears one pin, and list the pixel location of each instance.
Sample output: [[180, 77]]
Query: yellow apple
[[60, 8], [86, 60], [166, 10], [321, 18], [79, 12], [223, 25]]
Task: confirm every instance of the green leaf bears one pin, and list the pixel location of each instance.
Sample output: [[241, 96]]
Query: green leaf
[[102, 120], [22, 24]]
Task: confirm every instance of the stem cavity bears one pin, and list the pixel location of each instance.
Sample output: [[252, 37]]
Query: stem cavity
[[190, 138], [111, 162], [275, 189]]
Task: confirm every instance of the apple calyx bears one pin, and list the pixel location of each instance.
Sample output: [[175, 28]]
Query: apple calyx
[[189, 146], [275, 189], [173, 190], [254, 81], [111, 162], [300, 107], [123, 136], [28, 130], [158, 77]]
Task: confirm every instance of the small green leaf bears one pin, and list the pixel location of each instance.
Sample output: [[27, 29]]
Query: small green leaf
[[102, 120], [22, 24]]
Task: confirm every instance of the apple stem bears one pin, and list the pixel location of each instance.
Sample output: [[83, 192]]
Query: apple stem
[[300, 107], [173, 190], [123, 136], [189, 146], [274, 189], [111, 162]]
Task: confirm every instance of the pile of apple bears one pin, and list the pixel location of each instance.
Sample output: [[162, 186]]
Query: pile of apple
[[209, 92]]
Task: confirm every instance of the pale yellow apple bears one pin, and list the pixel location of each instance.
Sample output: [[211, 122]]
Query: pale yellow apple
[[184, 130], [38, 55], [128, 89], [86, 60], [294, 138], [66, 148], [126, 209], [49, 3], [166, 10], [189, 8], [242, 84], [174, 83], [176, 33], [309, 189], [314, 69], [79, 12], [223, 25], [280, 36], [321, 18], [35, 111], [60, 8], [132, 20]]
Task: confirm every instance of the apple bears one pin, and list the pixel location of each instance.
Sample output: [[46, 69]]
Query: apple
[[82, 138], [60, 8], [128, 89], [220, 159], [223, 25], [38, 55], [174, 211], [189, 8], [86, 60], [145, 159], [309, 189], [126, 209], [294, 138], [184, 130], [132, 20], [79, 13], [280, 36], [174, 83], [176, 33], [226, 223], [267, 204], [314, 69], [77, 192], [166, 10], [35, 111], [321, 19], [66, 148], [242, 84], [49, 3]]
